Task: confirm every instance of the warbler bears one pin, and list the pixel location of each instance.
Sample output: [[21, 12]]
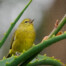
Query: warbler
[[23, 37]]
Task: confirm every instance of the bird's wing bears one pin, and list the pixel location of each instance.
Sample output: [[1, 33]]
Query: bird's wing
[[12, 40]]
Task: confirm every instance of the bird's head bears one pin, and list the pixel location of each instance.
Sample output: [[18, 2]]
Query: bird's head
[[27, 22]]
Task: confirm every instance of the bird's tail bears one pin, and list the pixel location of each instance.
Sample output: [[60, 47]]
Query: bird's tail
[[9, 55]]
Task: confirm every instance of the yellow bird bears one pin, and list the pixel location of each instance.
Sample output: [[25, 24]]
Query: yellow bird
[[23, 38]]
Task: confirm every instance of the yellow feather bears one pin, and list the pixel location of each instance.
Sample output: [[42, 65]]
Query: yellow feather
[[24, 37]]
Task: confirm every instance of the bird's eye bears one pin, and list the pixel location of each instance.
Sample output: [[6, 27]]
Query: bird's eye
[[26, 21]]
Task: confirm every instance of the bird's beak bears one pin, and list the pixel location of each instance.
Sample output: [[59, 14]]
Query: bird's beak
[[31, 21]]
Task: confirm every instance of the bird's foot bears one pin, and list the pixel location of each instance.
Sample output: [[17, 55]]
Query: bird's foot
[[17, 53]]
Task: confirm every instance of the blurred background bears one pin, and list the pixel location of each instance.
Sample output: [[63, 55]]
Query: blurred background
[[44, 13]]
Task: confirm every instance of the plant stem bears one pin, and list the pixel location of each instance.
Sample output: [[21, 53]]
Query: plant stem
[[13, 24], [47, 61], [61, 24], [36, 49]]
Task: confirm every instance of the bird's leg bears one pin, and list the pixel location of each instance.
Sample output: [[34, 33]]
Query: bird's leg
[[17, 53]]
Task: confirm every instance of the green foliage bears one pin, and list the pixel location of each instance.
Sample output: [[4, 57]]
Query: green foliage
[[5, 61], [39, 60], [45, 60]]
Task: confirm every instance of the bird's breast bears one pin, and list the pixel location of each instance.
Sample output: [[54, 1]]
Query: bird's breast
[[24, 39]]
